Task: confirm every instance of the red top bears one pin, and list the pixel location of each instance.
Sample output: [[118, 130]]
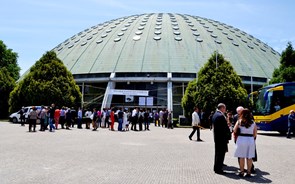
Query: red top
[[112, 116], [57, 113]]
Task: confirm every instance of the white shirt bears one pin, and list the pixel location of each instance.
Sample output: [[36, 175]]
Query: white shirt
[[134, 112], [195, 119], [88, 114]]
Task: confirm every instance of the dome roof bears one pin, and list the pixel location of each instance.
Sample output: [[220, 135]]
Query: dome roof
[[160, 42]]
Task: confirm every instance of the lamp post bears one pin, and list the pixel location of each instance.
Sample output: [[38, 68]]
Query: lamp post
[[197, 70], [216, 58], [250, 69]]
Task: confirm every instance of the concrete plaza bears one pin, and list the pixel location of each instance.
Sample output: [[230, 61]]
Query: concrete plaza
[[156, 156]]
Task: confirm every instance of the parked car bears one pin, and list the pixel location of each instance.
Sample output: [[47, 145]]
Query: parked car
[[15, 117]]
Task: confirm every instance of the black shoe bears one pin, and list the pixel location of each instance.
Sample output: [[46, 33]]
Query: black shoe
[[221, 172], [241, 174], [200, 140], [224, 165], [288, 137], [189, 138], [248, 175]]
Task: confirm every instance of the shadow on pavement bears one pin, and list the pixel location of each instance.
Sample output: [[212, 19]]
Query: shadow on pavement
[[272, 134], [258, 177]]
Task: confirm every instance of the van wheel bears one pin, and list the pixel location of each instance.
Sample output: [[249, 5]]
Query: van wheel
[[14, 120]]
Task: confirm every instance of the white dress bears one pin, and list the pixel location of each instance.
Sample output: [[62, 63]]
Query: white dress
[[245, 146]]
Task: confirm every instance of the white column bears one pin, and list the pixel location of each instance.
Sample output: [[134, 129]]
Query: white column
[[107, 99], [169, 93]]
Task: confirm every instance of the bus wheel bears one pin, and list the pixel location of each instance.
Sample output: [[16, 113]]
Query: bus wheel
[[282, 132]]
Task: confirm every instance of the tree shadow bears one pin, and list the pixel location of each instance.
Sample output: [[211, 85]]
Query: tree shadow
[[258, 177]]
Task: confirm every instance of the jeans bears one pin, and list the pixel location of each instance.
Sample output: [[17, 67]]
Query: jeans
[[120, 127], [146, 125], [290, 129], [51, 124]]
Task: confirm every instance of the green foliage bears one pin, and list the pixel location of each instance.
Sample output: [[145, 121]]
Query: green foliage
[[215, 85], [8, 60], [7, 84], [286, 71], [48, 82], [188, 100]]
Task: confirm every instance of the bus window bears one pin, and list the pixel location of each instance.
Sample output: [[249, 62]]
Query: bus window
[[289, 93]]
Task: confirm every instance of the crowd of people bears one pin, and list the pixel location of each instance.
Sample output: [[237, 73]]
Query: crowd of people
[[52, 118]]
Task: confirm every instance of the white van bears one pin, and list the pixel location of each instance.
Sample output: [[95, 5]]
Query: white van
[[15, 117]]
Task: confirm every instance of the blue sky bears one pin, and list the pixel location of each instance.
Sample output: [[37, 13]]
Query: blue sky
[[32, 27]]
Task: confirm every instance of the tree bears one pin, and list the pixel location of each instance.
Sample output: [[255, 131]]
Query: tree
[[8, 59], [188, 99], [215, 85], [48, 82], [286, 71], [7, 84]]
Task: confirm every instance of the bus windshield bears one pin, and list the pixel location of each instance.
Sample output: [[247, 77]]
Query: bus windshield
[[262, 103], [272, 99]]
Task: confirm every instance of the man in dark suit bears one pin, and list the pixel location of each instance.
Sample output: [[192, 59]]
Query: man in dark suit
[[221, 136]]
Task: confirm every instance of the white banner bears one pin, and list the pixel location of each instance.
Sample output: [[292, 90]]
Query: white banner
[[129, 92]]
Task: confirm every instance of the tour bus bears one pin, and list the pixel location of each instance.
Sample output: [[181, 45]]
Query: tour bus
[[272, 105]]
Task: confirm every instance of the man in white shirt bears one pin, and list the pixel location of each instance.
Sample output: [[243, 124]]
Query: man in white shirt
[[195, 124], [134, 119]]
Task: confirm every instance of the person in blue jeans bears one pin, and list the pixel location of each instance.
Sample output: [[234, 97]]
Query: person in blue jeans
[[51, 118], [120, 119], [291, 123]]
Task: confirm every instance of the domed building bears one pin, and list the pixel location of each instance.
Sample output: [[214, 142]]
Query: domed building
[[147, 60]]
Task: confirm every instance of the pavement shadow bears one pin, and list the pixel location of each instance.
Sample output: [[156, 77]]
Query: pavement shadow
[[271, 134], [258, 177]]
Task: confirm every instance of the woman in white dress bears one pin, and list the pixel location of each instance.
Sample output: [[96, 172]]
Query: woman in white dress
[[246, 130]]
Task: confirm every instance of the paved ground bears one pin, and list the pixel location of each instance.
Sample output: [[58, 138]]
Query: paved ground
[[157, 156]]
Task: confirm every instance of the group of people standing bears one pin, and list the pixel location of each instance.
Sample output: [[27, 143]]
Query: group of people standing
[[224, 125], [53, 118]]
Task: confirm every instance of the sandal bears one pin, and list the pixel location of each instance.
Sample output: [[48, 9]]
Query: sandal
[[241, 174]]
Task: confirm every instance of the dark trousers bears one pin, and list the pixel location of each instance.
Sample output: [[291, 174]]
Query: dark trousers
[[62, 121], [134, 121], [140, 125], [195, 128], [22, 120], [107, 124], [42, 124], [32, 123], [146, 125], [219, 157], [73, 122], [290, 129], [120, 126], [79, 123]]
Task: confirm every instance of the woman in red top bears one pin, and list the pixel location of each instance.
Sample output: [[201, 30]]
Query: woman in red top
[[112, 116], [56, 117]]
